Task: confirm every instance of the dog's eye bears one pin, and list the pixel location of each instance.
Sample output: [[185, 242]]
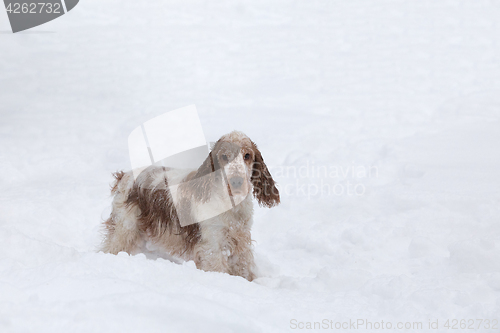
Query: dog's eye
[[247, 156], [224, 157]]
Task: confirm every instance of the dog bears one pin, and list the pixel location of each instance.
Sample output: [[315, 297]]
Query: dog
[[204, 215]]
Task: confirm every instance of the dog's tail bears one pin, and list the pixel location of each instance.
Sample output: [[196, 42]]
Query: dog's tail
[[118, 176]]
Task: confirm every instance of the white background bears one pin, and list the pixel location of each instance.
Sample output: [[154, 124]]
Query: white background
[[410, 87]]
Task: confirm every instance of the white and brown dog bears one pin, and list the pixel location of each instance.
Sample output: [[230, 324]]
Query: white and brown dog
[[203, 215]]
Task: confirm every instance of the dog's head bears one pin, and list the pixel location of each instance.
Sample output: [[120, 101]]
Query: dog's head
[[237, 164]]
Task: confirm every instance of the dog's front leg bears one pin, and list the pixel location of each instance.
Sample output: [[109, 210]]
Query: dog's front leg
[[211, 259], [210, 254], [241, 261]]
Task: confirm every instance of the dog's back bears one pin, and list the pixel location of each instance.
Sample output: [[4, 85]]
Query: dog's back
[[142, 211]]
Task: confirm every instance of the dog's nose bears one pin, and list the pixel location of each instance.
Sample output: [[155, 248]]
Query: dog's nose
[[236, 182]]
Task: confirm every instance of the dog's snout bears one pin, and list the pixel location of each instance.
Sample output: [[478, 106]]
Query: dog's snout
[[236, 182]]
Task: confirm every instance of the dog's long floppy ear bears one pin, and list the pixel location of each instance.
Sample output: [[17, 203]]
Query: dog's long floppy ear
[[264, 188], [202, 182]]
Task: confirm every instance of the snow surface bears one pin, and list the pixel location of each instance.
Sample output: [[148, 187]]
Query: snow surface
[[408, 90]]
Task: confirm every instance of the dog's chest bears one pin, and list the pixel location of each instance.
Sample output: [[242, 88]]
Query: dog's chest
[[228, 231]]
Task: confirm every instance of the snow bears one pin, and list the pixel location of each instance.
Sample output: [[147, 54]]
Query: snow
[[408, 90]]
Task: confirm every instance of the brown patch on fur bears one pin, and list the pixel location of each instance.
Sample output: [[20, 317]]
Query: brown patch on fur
[[158, 213], [109, 226], [264, 187], [118, 176]]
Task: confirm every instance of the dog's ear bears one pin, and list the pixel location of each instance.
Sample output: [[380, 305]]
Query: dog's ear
[[211, 163], [264, 187], [200, 185], [207, 167], [203, 181]]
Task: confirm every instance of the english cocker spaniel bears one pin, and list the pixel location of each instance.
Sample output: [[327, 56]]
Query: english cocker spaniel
[[203, 215]]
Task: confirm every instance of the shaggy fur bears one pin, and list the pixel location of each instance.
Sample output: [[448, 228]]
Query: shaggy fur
[[168, 208]]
